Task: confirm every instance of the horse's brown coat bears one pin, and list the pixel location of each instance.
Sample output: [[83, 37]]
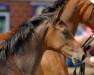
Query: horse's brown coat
[[69, 23], [22, 50], [75, 12]]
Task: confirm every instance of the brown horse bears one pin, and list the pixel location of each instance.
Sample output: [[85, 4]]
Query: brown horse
[[75, 12], [21, 52], [78, 11], [54, 58]]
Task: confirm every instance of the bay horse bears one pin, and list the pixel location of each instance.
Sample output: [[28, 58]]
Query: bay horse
[[21, 52], [75, 12], [78, 11], [73, 26]]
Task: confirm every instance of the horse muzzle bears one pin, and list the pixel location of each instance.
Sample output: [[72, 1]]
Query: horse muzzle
[[77, 58]]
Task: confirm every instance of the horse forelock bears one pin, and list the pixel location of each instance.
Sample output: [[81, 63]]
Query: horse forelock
[[20, 36]]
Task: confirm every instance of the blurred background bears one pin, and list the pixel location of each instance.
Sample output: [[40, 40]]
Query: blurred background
[[13, 12]]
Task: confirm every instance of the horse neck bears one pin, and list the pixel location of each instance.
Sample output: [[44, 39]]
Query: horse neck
[[71, 14], [42, 29], [28, 60]]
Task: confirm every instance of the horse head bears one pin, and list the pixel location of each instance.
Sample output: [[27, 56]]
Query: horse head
[[79, 11], [60, 39]]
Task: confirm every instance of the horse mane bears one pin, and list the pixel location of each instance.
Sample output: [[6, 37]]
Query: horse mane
[[53, 8], [20, 36]]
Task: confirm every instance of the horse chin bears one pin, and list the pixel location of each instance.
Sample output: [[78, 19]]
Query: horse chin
[[76, 61]]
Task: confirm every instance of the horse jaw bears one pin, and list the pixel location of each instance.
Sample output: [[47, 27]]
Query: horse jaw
[[73, 55]]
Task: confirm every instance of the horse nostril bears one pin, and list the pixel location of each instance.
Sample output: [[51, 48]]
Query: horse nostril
[[83, 57]]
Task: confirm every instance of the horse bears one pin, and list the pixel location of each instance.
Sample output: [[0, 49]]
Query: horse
[[78, 11], [45, 68], [75, 12], [60, 64], [21, 52]]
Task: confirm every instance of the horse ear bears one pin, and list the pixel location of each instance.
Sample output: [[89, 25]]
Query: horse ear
[[60, 12]]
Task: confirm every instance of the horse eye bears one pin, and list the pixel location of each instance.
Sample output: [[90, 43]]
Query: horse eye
[[65, 32], [61, 22]]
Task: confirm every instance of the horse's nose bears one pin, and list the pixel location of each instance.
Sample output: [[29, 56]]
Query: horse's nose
[[83, 57]]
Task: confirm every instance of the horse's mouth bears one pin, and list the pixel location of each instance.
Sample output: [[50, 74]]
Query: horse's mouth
[[76, 61]]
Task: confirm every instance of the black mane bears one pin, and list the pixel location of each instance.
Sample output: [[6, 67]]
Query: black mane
[[51, 9], [20, 36]]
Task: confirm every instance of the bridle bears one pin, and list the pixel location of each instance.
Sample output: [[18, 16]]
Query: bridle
[[85, 47]]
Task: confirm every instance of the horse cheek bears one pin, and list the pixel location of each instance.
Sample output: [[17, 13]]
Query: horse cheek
[[52, 42]]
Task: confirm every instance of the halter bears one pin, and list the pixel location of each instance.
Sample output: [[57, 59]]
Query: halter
[[85, 47]]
